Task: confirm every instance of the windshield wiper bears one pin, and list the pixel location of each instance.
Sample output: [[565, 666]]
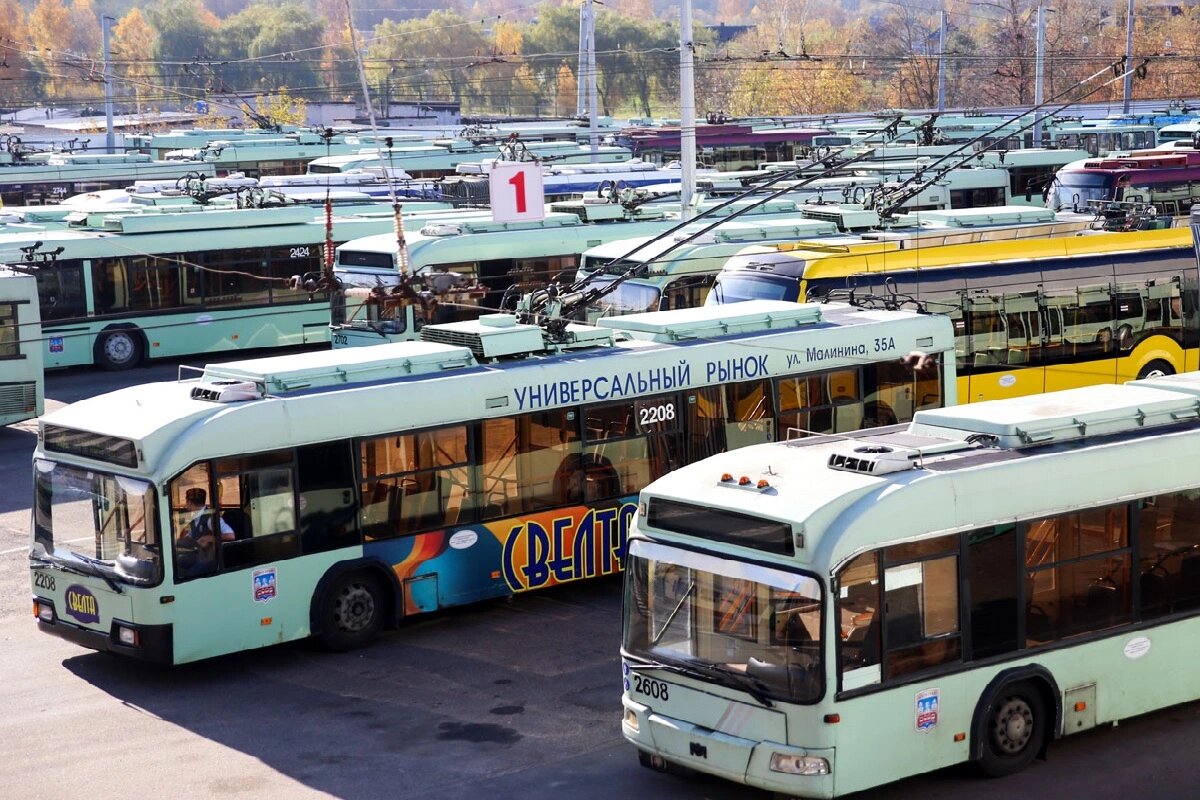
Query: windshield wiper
[[753, 685], [706, 672], [671, 617], [92, 570]]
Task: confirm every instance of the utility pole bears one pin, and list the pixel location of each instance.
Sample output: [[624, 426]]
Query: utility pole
[[1128, 58], [593, 105], [585, 88], [1039, 75], [580, 80], [687, 111], [941, 100], [110, 136]]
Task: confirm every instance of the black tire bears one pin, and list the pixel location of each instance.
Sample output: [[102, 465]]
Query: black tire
[[1156, 369], [1014, 729], [119, 349], [352, 612]]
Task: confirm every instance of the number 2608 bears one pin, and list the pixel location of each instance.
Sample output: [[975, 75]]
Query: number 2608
[[649, 687]]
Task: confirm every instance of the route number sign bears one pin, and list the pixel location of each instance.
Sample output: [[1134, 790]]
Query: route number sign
[[516, 191]]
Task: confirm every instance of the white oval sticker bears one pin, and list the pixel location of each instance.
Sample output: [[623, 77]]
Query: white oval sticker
[[1008, 380], [204, 319], [463, 539], [1138, 647]]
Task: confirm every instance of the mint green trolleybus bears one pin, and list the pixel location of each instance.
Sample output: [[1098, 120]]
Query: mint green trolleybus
[[334, 493], [826, 614]]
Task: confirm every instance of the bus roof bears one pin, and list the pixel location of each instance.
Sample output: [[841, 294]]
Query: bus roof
[[850, 493], [311, 397], [834, 262]]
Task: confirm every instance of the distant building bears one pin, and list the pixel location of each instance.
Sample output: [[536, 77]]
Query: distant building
[[725, 33]]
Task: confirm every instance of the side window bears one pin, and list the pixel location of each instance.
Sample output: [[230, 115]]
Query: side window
[[10, 337], [893, 392], [60, 290], [749, 413], [194, 528], [830, 402], [627, 445], [256, 499], [994, 579], [1077, 574], [921, 602], [328, 511], [414, 481], [530, 462], [1169, 553], [705, 423], [859, 617]]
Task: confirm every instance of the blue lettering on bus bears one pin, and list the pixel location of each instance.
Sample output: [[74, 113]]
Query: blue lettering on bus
[[606, 387], [534, 557], [832, 353]]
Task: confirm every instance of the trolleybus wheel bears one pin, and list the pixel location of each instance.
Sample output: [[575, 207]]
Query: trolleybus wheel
[[353, 612], [118, 349], [1014, 731], [1156, 369]]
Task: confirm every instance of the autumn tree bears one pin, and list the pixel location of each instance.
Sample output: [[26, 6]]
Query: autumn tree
[[49, 33], [18, 82], [339, 68], [133, 45]]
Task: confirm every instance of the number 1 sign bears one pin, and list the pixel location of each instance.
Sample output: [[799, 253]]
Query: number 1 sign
[[516, 189]]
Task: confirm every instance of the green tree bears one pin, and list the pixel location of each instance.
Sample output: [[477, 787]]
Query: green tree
[[428, 57], [185, 46], [270, 46]]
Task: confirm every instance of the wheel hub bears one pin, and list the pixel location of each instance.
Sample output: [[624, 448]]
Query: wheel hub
[[355, 609], [1014, 725]]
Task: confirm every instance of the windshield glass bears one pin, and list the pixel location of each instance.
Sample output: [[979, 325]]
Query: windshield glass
[[1073, 190], [732, 623], [731, 288], [630, 297], [97, 522]]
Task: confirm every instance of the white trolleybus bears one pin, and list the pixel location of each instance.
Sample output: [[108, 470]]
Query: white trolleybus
[[466, 261], [22, 388], [823, 615], [333, 493], [115, 288]]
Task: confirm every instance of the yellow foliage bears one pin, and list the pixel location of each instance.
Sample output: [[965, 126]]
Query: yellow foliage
[[283, 109]]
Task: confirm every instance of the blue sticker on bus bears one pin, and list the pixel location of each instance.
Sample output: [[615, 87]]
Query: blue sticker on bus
[[81, 604], [56, 344], [928, 702], [266, 583]]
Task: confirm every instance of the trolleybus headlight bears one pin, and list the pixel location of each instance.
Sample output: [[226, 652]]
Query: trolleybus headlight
[[631, 719], [799, 765], [43, 610], [127, 636]]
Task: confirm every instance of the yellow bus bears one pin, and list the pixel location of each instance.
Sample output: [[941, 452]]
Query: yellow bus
[[1029, 316]]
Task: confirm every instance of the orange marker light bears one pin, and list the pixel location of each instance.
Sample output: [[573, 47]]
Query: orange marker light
[[1080, 706], [833, 719], [958, 737], [265, 621], [726, 478], [743, 481], [763, 483]]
